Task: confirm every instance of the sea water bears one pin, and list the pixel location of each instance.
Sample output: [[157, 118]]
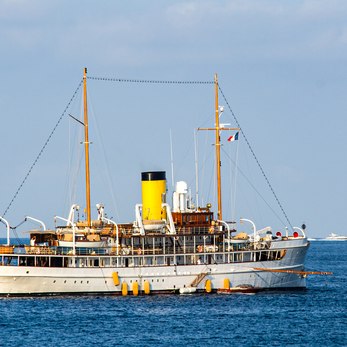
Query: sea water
[[313, 317]]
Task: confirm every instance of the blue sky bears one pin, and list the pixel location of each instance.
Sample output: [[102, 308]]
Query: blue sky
[[281, 65]]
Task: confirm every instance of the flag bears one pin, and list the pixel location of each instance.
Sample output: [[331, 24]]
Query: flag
[[234, 137]]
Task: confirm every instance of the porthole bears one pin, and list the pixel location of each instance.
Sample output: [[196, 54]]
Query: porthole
[[81, 281], [87, 282], [54, 281], [65, 281], [75, 281]]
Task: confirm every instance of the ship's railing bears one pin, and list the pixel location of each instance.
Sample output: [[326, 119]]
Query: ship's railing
[[94, 259], [179, 230], [174, 247]]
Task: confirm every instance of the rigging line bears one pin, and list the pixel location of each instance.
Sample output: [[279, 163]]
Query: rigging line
[[234, 183], [252, 185], [103, 151], [127, 80], [74, 163], [255, 157], [203, 169], [43, 148], [18, 225], [14, 231]]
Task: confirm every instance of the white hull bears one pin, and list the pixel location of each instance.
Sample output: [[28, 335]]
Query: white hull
[[27, 280], [93, 281], [337, 238]]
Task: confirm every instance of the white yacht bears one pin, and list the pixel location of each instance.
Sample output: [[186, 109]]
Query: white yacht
[[173, 248]]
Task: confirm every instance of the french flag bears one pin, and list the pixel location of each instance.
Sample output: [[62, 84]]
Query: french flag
[[234, 137]]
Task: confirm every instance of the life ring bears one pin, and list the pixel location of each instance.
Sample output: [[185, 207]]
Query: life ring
[[199, 249], [211, 229], [139, 251]]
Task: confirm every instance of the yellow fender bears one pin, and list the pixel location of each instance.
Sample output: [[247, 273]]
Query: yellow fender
[[124, 289], [135, 289], [226, 283], [208, 286], [115, 278], [147, 287]]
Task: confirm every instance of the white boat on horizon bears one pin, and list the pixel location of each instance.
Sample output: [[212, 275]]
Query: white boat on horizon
[[335, 237]]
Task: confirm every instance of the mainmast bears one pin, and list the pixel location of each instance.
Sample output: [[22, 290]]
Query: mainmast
[[86, 146], [218, 162], [217, 130]]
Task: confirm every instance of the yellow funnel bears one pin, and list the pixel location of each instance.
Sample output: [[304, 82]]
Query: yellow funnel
[[153, 195]]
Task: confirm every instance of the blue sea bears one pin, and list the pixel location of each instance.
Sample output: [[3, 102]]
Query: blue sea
[[313, 317]]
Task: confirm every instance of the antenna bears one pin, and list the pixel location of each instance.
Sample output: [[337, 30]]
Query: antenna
[[172, 163], [196, 169]]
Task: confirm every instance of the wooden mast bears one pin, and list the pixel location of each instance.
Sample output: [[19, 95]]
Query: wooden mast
[[217, 130], [218, 162], [86, 146]]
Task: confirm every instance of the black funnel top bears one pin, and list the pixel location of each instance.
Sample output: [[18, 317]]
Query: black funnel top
[[153, 176]]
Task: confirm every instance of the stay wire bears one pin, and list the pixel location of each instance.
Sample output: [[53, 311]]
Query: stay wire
[[237, 168], [126, 80], [43, 148], [18, 225], [255, 157]]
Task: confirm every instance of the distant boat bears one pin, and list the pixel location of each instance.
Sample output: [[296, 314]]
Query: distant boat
[[335, 237]]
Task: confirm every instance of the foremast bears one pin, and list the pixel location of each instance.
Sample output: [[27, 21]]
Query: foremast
[[86, 146]]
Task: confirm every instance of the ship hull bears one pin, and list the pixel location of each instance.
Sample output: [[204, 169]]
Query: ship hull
[[30, 280]]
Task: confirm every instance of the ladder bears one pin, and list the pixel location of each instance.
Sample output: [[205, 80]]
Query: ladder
[[198, 279]]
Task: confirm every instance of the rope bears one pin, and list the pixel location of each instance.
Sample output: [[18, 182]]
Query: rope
[[255, 157], [18, 225], [252, 186], [147, 81], [42, 149]]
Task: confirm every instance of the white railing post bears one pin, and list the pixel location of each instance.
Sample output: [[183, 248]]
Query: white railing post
[[254, 233], [228, 228], [73, 232], [301, 230], [37, 221], [253, 225], [169, 215], [8, 229], [117, 233]]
